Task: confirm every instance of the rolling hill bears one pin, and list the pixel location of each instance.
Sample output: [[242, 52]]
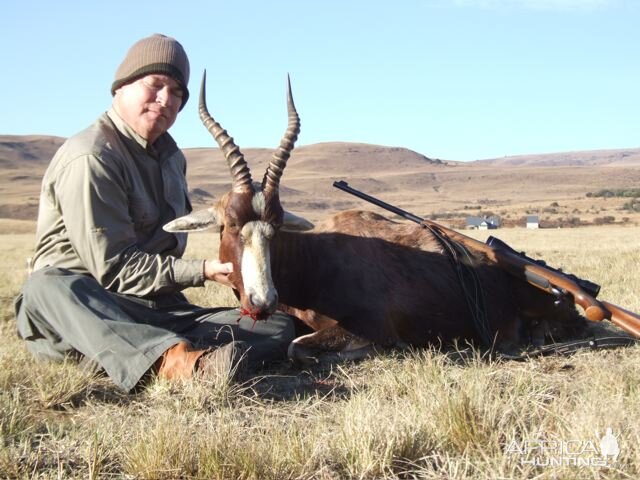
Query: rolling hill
[[551, 185]]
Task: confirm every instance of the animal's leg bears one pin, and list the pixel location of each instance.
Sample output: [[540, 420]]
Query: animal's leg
[[330, 345]]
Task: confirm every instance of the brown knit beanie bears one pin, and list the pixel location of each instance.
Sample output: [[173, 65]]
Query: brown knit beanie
[[155, 54]]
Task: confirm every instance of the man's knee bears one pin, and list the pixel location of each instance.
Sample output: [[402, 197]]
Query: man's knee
[[282, 326], [42, 306], [278, 327], [46, 282]]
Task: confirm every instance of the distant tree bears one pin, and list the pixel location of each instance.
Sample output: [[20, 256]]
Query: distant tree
[[632, 205], [570, 222]]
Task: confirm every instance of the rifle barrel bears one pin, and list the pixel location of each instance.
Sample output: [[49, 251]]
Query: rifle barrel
[[344, 186]]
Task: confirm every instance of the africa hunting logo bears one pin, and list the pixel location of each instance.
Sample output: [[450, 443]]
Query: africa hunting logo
[[561, 453]]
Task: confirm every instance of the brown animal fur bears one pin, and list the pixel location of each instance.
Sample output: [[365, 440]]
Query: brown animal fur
[[392, 284]]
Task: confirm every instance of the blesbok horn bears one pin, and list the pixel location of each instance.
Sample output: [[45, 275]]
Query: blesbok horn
[[271, 180], [240, 173]]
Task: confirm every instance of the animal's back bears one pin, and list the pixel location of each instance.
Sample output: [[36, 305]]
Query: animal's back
[[369, 224]]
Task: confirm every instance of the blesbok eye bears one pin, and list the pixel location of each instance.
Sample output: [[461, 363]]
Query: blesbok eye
[[269, 232]]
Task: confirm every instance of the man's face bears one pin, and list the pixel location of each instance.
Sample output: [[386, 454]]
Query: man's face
[[149, 105]]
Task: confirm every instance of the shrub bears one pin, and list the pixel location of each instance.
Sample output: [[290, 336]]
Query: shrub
[[618, 192], [606, 220], [632, 205]]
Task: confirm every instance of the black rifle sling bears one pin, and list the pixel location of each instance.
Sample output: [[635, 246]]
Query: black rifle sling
[[464, 265]]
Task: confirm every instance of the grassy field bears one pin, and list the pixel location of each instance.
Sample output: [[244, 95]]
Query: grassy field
[[416, 414]]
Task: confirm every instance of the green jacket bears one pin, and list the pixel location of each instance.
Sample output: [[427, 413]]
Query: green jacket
[[104, 200]]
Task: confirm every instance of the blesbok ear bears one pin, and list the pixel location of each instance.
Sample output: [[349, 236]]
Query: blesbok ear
[[294, 223], [194, 222]]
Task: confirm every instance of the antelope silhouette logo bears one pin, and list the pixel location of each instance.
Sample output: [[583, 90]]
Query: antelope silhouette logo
[[609, 445]]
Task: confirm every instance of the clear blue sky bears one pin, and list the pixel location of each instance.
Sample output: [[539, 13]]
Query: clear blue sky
[[451, 79]]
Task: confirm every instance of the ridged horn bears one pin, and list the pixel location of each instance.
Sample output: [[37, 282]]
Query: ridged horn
[[240, 173], [271, 180]]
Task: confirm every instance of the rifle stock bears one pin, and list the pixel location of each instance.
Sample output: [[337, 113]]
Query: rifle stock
[[533, 273], [544, 278]]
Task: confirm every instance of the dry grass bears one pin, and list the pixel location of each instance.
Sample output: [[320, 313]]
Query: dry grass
[[416, 414]]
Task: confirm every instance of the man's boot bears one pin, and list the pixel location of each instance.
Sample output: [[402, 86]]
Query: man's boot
[[178, 362], [182, 361], [226, 362]]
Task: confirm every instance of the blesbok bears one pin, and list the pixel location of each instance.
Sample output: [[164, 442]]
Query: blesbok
[[359, 280]]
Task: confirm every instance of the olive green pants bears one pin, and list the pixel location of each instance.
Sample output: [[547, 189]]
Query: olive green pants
[[59, 313]]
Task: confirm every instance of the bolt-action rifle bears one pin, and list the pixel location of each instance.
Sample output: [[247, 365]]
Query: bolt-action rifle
[[535, 272]]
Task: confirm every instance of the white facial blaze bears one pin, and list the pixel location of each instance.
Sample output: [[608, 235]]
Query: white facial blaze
[[256, 263]]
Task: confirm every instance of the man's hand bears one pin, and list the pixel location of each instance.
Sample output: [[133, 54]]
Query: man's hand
[[219, 272]]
